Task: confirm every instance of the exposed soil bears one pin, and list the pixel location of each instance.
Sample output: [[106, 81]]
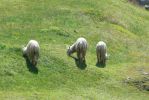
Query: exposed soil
[[142, 82], [140, 2], [138, 77]]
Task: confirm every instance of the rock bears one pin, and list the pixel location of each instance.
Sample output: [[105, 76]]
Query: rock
[[143, 2], [145, 73], [145, 87], [146, 7]]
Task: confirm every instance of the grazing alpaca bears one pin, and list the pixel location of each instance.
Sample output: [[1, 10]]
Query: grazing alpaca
[[101, 51], [80, 46], [32, 51]]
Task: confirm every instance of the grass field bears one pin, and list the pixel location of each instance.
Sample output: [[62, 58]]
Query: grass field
[[58, 23]]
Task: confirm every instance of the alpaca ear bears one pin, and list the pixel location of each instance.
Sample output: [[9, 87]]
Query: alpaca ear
[[107, 56]]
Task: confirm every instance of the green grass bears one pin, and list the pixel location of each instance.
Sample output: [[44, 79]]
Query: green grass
[[58, 23]]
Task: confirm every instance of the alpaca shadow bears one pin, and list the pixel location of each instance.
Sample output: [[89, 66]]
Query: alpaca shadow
[[80, 65], [100, 65], [30, 66]]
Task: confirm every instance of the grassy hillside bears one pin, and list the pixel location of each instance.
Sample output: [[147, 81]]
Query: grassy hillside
[[57, 23]]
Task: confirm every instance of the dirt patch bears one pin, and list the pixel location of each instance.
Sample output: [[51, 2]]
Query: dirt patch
[[138, 77], [141, 84], [134, 1], [140, 2]]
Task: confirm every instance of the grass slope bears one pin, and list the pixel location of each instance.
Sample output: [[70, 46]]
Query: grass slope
[[57, 23]]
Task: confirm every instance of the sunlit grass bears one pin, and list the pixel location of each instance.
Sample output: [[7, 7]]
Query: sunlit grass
[[56, 24]]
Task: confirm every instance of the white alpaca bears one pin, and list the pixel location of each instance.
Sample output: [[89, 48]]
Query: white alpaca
[[101, 51], [80, 46], [32, 51]]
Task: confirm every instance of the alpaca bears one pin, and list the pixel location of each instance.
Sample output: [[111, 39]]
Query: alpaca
[[101, 51], [32, 51], [80, 46]]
